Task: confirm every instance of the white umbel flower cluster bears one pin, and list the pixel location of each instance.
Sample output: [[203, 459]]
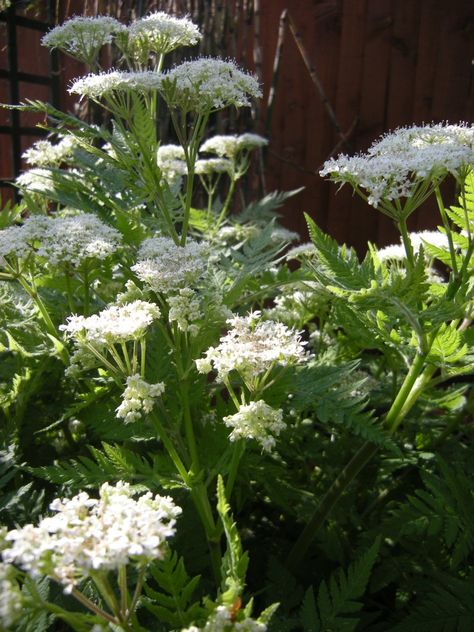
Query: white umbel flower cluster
[[71, 239], [258, 421], [10, 597], [397, 252], [137, 398], [171, 161], [115, 324], [229, 146], [88, 534], [35, 180], [83, 37], [213, 166], [185, 310], [251, 347], [209, 84], [98, 85], [19, 242], [44, 154], [394, 166], [222, 620], [164, 266], [76, 238], [157, 33]]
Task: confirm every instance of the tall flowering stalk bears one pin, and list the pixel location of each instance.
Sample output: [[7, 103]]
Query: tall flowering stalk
[[399, 172]]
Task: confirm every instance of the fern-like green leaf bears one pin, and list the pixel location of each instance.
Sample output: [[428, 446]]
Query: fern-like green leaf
[[444, 509], [235, 561], [338, 599], [448, 607], [172, 603]]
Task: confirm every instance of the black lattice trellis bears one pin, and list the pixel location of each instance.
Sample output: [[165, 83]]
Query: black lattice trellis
[[14, 129]]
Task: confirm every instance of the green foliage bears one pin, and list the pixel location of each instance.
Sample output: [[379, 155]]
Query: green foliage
[[447, 607], [173, 602], [234, 560], [112, 463], [338, 602], [443, 510]]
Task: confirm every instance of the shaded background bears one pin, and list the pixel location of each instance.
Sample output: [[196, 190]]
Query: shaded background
[[335, 75]]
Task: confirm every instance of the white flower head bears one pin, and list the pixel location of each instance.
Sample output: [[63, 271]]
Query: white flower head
[[283, 234], [303, 250], [76, 238], [138, 398], [44, 154], [157, 33], [87, 534], [213, 166], [83, 37], [98, 85], [393, 252], [115, 324], [170, 160], [35, 181], [396, 164], [20, 242], [258, 421], [432, 237], [209, 84], [164, 266], [251, 347], [185, 310], [222, 620], [229, 146]]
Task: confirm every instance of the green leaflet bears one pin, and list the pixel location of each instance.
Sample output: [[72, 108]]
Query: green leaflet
[[337, 601]]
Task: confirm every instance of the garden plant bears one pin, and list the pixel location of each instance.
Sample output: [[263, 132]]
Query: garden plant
[[205, 427]]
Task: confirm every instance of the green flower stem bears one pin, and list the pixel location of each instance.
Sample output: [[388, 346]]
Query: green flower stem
[[124, 596], [32, 292], [412, 386], [137, 592], [142, 357], [444, 217], [188, 426], [190, 152], [203, 507], [225, 207], [85, 280], [126, 358], [118, 360], [101, 580], [402, 227], [116, 375], [70, 299], [93, 607], [237, 454], [232, 394], [170, 449]]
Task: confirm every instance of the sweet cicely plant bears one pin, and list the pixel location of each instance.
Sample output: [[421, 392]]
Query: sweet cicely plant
[[158, 347]]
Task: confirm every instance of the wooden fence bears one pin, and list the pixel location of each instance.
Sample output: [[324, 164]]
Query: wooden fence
[[348, 70]]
